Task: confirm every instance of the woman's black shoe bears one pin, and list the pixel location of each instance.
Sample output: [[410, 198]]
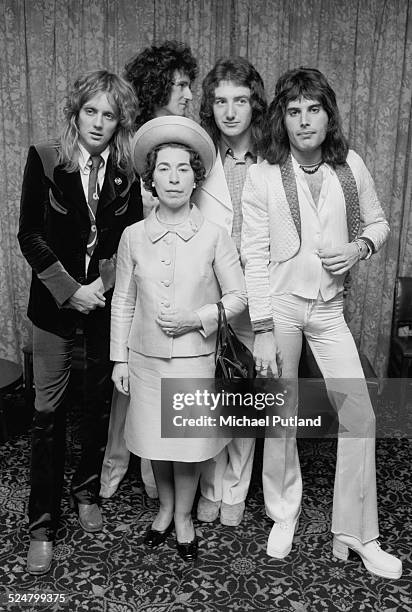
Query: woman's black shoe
[[188, 550], [154, 537]]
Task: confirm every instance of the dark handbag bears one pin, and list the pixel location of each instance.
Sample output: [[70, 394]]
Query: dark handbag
[[234, 361]]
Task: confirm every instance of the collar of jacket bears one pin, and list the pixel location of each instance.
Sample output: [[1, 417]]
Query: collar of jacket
[[216, 184], [115, 184], [185, 230], [349, 188]]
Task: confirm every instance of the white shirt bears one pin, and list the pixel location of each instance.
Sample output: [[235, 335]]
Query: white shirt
[[323, 226]]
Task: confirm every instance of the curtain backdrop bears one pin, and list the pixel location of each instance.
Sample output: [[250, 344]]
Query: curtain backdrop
[[363, 46]]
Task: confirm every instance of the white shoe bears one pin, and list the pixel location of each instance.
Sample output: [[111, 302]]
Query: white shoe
[[281, 539], [107, 491], [376, 560], [232, 514], [151, 492], [207, 510]]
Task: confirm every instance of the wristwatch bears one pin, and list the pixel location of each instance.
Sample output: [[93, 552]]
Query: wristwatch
[[366, 242]]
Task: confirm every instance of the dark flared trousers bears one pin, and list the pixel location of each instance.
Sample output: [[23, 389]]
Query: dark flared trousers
[[52, 357]]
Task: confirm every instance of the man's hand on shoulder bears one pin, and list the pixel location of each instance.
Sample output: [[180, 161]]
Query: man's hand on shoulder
[[339, 260], [88, 297]]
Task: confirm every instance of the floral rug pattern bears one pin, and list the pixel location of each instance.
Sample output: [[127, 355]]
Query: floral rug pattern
[[113, 571]]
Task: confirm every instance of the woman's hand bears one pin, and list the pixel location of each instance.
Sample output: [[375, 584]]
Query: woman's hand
[[267, 355], [178, 321], [120, 377]]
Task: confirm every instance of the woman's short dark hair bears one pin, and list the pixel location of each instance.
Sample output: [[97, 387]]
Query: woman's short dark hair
[[152, 72], [241, 72], [195, 163], [311, 84]]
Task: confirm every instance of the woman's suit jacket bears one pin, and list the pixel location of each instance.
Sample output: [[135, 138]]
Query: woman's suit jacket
[[54, 229], [190, 268]]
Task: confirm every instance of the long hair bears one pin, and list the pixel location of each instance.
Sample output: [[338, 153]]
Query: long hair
[[311, 84], [121, 96], [241, 72], [152, 72]]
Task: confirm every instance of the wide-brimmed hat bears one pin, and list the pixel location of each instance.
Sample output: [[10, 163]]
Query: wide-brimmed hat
[[172, 128]]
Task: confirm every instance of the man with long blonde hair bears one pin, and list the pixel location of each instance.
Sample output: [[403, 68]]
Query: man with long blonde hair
[[78, 195]]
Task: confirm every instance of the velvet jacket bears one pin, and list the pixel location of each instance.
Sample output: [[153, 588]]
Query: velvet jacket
[[54, 229]]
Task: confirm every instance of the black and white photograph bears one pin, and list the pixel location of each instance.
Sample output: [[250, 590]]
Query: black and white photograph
[[206, 305]]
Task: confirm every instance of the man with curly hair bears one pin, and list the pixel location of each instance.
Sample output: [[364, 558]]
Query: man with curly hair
[[162, 77], [232, 110], [78, 195]]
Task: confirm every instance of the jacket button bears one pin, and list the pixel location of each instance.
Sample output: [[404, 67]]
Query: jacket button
[[166, 262], [166, 283]]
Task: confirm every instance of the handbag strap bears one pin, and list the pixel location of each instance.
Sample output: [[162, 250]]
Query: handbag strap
[[222, 334], [219, 327]]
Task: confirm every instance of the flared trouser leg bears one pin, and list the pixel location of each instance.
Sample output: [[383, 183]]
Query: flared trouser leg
[[355, 501], [117, 455], [227, 477]]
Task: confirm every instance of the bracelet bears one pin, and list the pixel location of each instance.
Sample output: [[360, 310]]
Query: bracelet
[[359, 242], [262, 325], [369, 245], [359, 248]]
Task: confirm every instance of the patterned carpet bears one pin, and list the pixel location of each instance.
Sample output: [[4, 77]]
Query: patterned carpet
[[114, 572]]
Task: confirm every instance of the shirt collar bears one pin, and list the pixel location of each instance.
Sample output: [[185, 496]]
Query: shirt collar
[[225, 149], [186, 230], [84, 157]]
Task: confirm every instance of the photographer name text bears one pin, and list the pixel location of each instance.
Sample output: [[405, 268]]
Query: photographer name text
[[244, 421]]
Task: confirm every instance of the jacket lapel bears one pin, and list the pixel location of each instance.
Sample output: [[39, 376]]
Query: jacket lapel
[[216, 185], [349, 188], [291, 191], [71, 188], [115, 185], [350, 193]]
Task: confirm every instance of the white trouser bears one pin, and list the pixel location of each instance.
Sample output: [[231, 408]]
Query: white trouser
[[116, 458], [354, 501], [226, 477]]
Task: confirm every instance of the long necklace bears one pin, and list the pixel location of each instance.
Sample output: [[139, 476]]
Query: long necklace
[[313, 167]]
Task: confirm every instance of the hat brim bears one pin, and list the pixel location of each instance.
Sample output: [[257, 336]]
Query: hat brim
[[172, 129]]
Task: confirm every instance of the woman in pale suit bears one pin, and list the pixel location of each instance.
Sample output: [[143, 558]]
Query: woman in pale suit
[[172, 268]]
